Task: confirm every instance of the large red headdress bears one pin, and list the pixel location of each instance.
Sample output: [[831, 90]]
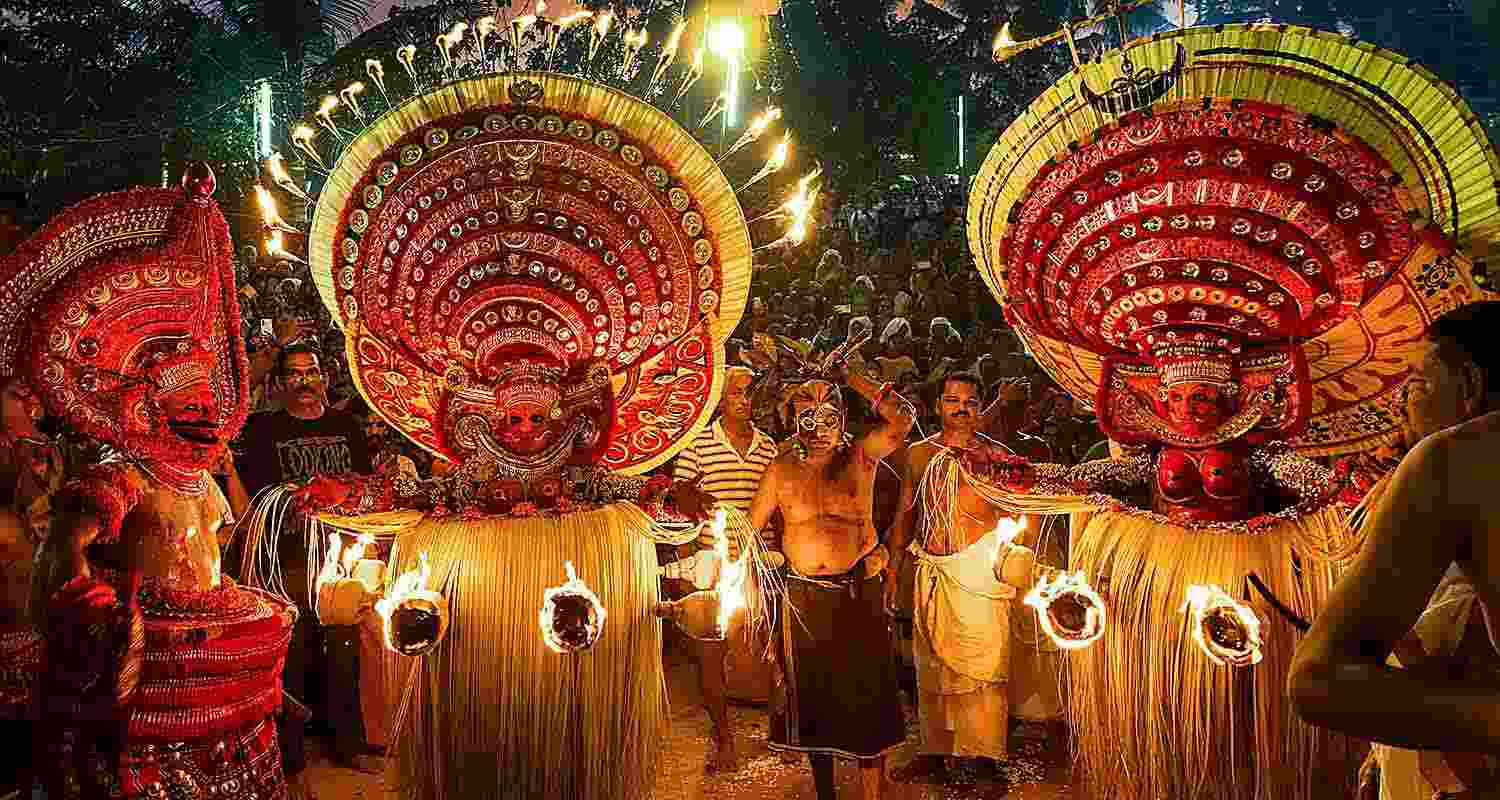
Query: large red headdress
[[1272, 193], [527, 262], [121, 314]]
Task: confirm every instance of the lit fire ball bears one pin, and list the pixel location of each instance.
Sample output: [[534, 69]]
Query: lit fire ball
[[572, 617], [1070, 612], [415, 617], [1226, 630]]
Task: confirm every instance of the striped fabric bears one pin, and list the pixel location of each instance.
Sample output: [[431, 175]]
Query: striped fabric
[[728, 477]]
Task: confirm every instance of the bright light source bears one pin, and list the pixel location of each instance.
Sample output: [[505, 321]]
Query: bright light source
[[726, 39], [263, 120]]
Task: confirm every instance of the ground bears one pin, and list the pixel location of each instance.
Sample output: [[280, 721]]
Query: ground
[[1037, 772]]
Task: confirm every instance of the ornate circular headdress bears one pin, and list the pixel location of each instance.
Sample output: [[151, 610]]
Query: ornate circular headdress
[[123, 293], [539, 212], [1281, 193]]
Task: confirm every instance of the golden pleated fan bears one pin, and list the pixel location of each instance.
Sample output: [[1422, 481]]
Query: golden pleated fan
[[1274, 183], [540, 211]]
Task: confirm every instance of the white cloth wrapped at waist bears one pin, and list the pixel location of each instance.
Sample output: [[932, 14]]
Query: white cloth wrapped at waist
[[964, 611]]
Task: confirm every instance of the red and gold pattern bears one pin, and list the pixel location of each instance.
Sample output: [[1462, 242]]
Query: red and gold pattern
[[1287, 186], [542, 212], [123, 298]]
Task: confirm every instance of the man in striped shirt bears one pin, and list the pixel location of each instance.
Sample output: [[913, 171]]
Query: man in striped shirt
[[727, 459]]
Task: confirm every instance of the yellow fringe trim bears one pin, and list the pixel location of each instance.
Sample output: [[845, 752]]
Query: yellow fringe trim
[[491, 712]]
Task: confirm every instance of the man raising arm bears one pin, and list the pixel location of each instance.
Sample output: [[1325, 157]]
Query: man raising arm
[[838, 685]]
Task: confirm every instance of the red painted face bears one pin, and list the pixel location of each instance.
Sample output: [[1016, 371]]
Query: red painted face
[[191, 415], [526, 425], [1196, 409]]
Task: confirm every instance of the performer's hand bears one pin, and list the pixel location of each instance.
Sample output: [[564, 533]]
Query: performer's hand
[[892, 593], [1014, 474], [690, 500], [321, 493]]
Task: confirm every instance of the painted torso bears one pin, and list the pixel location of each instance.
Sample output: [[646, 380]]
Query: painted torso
[[1208, 485]]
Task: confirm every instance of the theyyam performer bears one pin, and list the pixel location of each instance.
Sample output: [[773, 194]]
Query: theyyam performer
[[535, 275], [1232, 240], [162, 674]]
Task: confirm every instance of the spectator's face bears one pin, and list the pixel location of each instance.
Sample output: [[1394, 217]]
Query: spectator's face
[[1436, 394], [302, 379], [958, 406], [735, 402], [20, 409]]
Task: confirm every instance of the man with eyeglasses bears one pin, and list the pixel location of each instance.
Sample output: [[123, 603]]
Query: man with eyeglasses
[[838, 690], [302, 439]]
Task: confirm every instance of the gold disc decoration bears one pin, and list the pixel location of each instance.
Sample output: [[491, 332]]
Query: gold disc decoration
[[1268, 184], [540, 211]]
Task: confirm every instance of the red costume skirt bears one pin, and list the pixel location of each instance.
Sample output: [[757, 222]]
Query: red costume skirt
[[199, 722]]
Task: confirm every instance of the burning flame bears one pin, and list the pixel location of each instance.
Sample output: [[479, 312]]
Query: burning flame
[[302, 137], [573, 19], [405, 55], [1003, 39], [339, 561], [573, 586], [268, 213], [1046, 592], [633, 44], [1008, 528], [410, 584], [732, 574], [668, 52], [325, 113], [754, 130], [275, 249], [797, 233], [779, 155], [1214, 614], [349, 96], [376, 71], [277, 164]]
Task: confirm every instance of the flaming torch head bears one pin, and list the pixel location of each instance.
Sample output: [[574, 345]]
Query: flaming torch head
[[415, 617], [267, 205], [374, 69], [1226, 630], [779, 156], [1070, 612], [1004, 46], [572, 618]]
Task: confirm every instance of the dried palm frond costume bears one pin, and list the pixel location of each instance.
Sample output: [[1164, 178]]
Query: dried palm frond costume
[[535, 275], [1233, 240], [121, 313]]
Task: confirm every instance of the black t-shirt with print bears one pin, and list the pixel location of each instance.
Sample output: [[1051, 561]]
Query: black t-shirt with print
[[278, 447]]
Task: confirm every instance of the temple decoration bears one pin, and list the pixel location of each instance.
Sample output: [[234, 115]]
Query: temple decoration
[[572, 618], [1236, 271], [1068, 609], [1226, 630]]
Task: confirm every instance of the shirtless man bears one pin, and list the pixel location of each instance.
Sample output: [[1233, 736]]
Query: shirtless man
[[1439, 509], [963, 597], [838, 687]]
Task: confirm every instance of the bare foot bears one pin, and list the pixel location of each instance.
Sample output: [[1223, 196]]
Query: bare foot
[[723, 757], [921, 768]]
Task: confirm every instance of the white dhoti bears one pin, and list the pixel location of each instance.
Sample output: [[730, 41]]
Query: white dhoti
[[962, 651], [1422, 775]]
